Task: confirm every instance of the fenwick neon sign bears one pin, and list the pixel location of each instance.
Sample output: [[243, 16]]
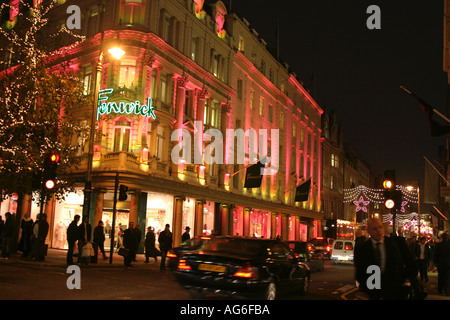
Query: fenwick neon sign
[[121, 107]]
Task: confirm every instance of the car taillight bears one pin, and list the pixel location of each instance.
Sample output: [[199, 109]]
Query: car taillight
[[328, 248], [182, 265], [170, 254], [246, 271]]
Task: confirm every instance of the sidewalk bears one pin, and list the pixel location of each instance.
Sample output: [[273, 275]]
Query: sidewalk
[[430, 287], [57, 258]]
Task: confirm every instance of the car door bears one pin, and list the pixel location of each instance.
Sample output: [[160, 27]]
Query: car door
[[282, 265]]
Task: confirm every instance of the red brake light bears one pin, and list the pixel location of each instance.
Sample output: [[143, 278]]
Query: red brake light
[[182, 265], [328, 248], [170, 254], [246, 271]]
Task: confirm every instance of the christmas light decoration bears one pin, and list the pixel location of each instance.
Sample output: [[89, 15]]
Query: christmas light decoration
[[361, 204]]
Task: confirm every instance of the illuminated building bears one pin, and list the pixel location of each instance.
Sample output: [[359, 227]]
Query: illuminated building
[[191, 62]]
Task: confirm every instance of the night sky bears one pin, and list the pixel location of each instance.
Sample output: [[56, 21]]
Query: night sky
[[358, 72]]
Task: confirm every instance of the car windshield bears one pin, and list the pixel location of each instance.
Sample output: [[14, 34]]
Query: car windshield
[[240, 247]]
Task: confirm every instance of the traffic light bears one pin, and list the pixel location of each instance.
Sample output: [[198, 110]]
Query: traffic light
[[123, 192], [50, 167], [392, 197]]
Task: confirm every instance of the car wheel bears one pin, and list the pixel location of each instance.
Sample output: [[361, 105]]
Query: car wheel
[[305, 288], [271, 292]]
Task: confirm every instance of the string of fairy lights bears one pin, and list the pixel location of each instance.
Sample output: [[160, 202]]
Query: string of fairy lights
[[372, 195]]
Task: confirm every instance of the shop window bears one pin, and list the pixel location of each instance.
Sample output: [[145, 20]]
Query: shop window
[[127, 76], [122, 135]]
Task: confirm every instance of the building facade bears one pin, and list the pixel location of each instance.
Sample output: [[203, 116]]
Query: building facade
[[193, 102]]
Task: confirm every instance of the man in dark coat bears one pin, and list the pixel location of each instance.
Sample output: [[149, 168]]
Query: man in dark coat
[[442, 261], [424, 255], [186, 235], [99, 239], [72, 236], [129, 242], [393, 259], [39, 248], [165, 244], [6, 236]]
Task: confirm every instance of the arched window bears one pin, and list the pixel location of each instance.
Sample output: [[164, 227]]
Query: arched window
[[122, 135]]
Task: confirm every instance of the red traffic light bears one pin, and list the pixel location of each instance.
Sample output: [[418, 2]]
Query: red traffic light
[[54, 158]]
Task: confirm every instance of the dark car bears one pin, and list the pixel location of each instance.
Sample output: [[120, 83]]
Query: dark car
[[189, 245], [307, 253], [323, 245], [243, 268]]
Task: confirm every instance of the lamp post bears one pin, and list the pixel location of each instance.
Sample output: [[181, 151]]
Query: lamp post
[[116, 53]]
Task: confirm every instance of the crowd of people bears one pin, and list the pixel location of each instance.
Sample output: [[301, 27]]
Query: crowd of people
[[85, 244], [403, 265]]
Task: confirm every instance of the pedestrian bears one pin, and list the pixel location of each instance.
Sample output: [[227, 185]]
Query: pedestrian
[[423, 254], [150, 249], [395, 263], [137, 238], [165, 244], [27, 231], [413, 248], [186, 235], [129, 242], [72, 237], [442, 261], [7, 234], [99, 239], [40, 232], [85, 231]]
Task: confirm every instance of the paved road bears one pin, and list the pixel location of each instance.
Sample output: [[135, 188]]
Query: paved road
[[30, 280]]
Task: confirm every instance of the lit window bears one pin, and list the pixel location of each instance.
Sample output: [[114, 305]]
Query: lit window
[[127, 75], [122, 136]]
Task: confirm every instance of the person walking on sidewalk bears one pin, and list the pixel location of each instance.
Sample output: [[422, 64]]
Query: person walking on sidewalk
[[6, 236], [129, 242], [39, 247], [150, 249], [442, 261], [99, 239], [423, 258], [72, 237], [165, 244]]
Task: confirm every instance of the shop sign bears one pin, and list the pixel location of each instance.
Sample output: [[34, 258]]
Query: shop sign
[[121, 107]]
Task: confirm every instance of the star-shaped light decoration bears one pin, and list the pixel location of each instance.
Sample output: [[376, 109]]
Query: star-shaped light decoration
[[406, 226], [361, 204], [414, 222]]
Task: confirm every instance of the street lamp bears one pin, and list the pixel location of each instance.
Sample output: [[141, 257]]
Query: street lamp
[[117, 53]]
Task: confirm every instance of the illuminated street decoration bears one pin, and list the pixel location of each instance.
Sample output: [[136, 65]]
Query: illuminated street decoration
[[377, 195], [361, 204], [124, 108]]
